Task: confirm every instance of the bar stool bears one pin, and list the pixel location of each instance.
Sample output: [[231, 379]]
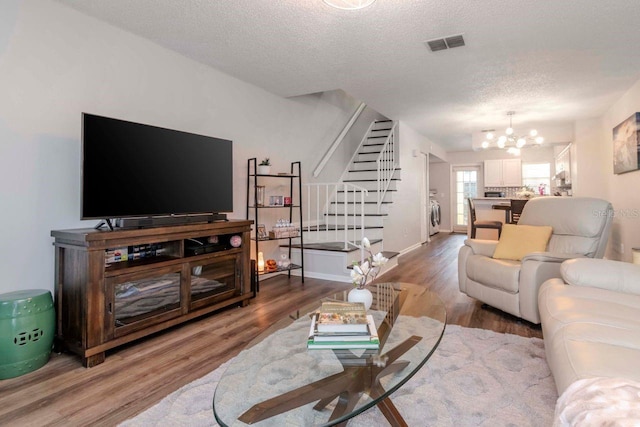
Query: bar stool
[[506, 209], [475, 224], [517, 206]]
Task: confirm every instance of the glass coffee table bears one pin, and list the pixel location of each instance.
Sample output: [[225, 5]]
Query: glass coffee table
[[277, 381]]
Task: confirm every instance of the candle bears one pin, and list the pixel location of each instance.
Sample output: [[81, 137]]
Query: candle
[[260, 262]]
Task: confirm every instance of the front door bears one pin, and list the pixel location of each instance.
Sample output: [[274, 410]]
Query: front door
[[465, 185]]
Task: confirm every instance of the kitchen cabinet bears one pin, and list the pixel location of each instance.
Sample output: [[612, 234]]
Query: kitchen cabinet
[[563, 166], [503, 173]]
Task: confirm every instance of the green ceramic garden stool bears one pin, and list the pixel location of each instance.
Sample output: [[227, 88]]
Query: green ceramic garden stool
[[27, 326]]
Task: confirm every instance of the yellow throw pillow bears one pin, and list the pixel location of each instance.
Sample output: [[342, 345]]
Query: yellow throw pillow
[[516, 241]]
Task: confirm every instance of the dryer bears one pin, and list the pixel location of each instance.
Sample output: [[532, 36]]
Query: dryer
[[434, 217]]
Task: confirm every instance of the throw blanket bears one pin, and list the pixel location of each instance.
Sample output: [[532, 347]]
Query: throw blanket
[[599, 402]]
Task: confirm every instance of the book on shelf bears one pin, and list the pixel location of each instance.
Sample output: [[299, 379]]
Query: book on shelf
[[318, 340], [342, 317]]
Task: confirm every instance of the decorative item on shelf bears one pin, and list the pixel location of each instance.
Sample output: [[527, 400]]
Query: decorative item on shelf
[[260, 195], [271, 265], [276, 201], [214, 239], [260, 262], [284, 261], [287, 201], [511, 141], [284, 229], [262, 232], [236, 241], [264, 168], [364, 272], [636, 255]]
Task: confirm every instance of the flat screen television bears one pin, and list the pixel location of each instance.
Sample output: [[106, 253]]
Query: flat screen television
[[136, 170]]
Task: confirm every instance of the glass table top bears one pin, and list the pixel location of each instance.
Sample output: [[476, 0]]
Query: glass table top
[[277, 381]]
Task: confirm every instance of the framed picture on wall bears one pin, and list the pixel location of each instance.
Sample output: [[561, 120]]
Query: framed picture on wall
[[626, 145]]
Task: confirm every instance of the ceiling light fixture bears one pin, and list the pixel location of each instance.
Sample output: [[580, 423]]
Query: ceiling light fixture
[[349, 4], [511, 141]]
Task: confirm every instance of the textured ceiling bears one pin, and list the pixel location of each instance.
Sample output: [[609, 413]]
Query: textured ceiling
[[551, 61]]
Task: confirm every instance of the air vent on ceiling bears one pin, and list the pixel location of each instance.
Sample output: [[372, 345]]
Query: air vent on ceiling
[[445, 43]]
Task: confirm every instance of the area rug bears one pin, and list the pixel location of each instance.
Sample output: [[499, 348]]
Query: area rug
[[476, 377]]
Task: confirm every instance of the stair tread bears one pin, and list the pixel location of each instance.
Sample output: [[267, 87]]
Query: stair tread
[[386, 254], [332, 227], [351, 215], [367, 180], [370, 191], [372, 161], [366, 203], [364, 170], [331, 246]]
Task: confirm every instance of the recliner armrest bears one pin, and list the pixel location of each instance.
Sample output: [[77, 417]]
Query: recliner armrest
[[482, 247], [550, 257], [602, 273]]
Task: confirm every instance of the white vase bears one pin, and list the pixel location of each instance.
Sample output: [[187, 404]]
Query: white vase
[[264, 170], [361, 295]]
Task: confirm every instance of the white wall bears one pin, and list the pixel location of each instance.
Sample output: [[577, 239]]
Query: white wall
[[403, 225], [56, 63], [591, 162], [594, 143]]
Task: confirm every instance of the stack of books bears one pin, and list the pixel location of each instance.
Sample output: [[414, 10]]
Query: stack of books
[[342, 325]]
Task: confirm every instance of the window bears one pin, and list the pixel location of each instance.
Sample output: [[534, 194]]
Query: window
[[536, 175]]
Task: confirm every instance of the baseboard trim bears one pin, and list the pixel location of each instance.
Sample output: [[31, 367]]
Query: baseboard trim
[[410, 248], [322, 276]]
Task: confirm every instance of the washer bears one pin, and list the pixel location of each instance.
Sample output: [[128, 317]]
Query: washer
[[434, 217]]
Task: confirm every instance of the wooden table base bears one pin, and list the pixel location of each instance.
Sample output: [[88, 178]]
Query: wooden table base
[[347, 386]]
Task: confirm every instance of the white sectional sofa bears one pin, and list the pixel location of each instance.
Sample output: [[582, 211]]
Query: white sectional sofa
[[591, 328]]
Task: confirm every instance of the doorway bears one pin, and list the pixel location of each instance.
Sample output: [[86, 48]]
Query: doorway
[[466, 181]]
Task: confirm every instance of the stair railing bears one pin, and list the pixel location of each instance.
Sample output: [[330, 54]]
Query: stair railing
[[331, 225], [386, 163]]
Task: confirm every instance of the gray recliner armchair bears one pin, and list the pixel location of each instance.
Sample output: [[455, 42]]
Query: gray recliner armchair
[[581, 228]]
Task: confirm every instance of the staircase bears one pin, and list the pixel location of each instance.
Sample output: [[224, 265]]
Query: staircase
[[354, 208]]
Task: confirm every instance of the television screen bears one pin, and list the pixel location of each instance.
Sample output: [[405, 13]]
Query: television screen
[[130, 169]]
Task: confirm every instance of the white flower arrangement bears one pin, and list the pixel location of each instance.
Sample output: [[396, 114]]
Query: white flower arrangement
[[369, 268], [526, 192]]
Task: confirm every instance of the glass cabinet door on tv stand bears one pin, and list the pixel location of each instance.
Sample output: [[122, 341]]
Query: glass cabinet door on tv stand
[[268, 207]]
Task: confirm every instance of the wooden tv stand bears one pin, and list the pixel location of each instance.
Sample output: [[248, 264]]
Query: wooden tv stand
[[168, 275]]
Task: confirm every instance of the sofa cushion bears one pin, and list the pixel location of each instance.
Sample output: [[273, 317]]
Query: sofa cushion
[[516, 241], [561, 304], [583, 350], [496, 273], [589, 332]]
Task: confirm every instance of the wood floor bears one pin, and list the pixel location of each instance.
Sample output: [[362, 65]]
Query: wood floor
[[135, 377]]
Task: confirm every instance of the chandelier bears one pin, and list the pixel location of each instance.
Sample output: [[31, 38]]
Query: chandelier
[[511, 141], [349, 4]]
